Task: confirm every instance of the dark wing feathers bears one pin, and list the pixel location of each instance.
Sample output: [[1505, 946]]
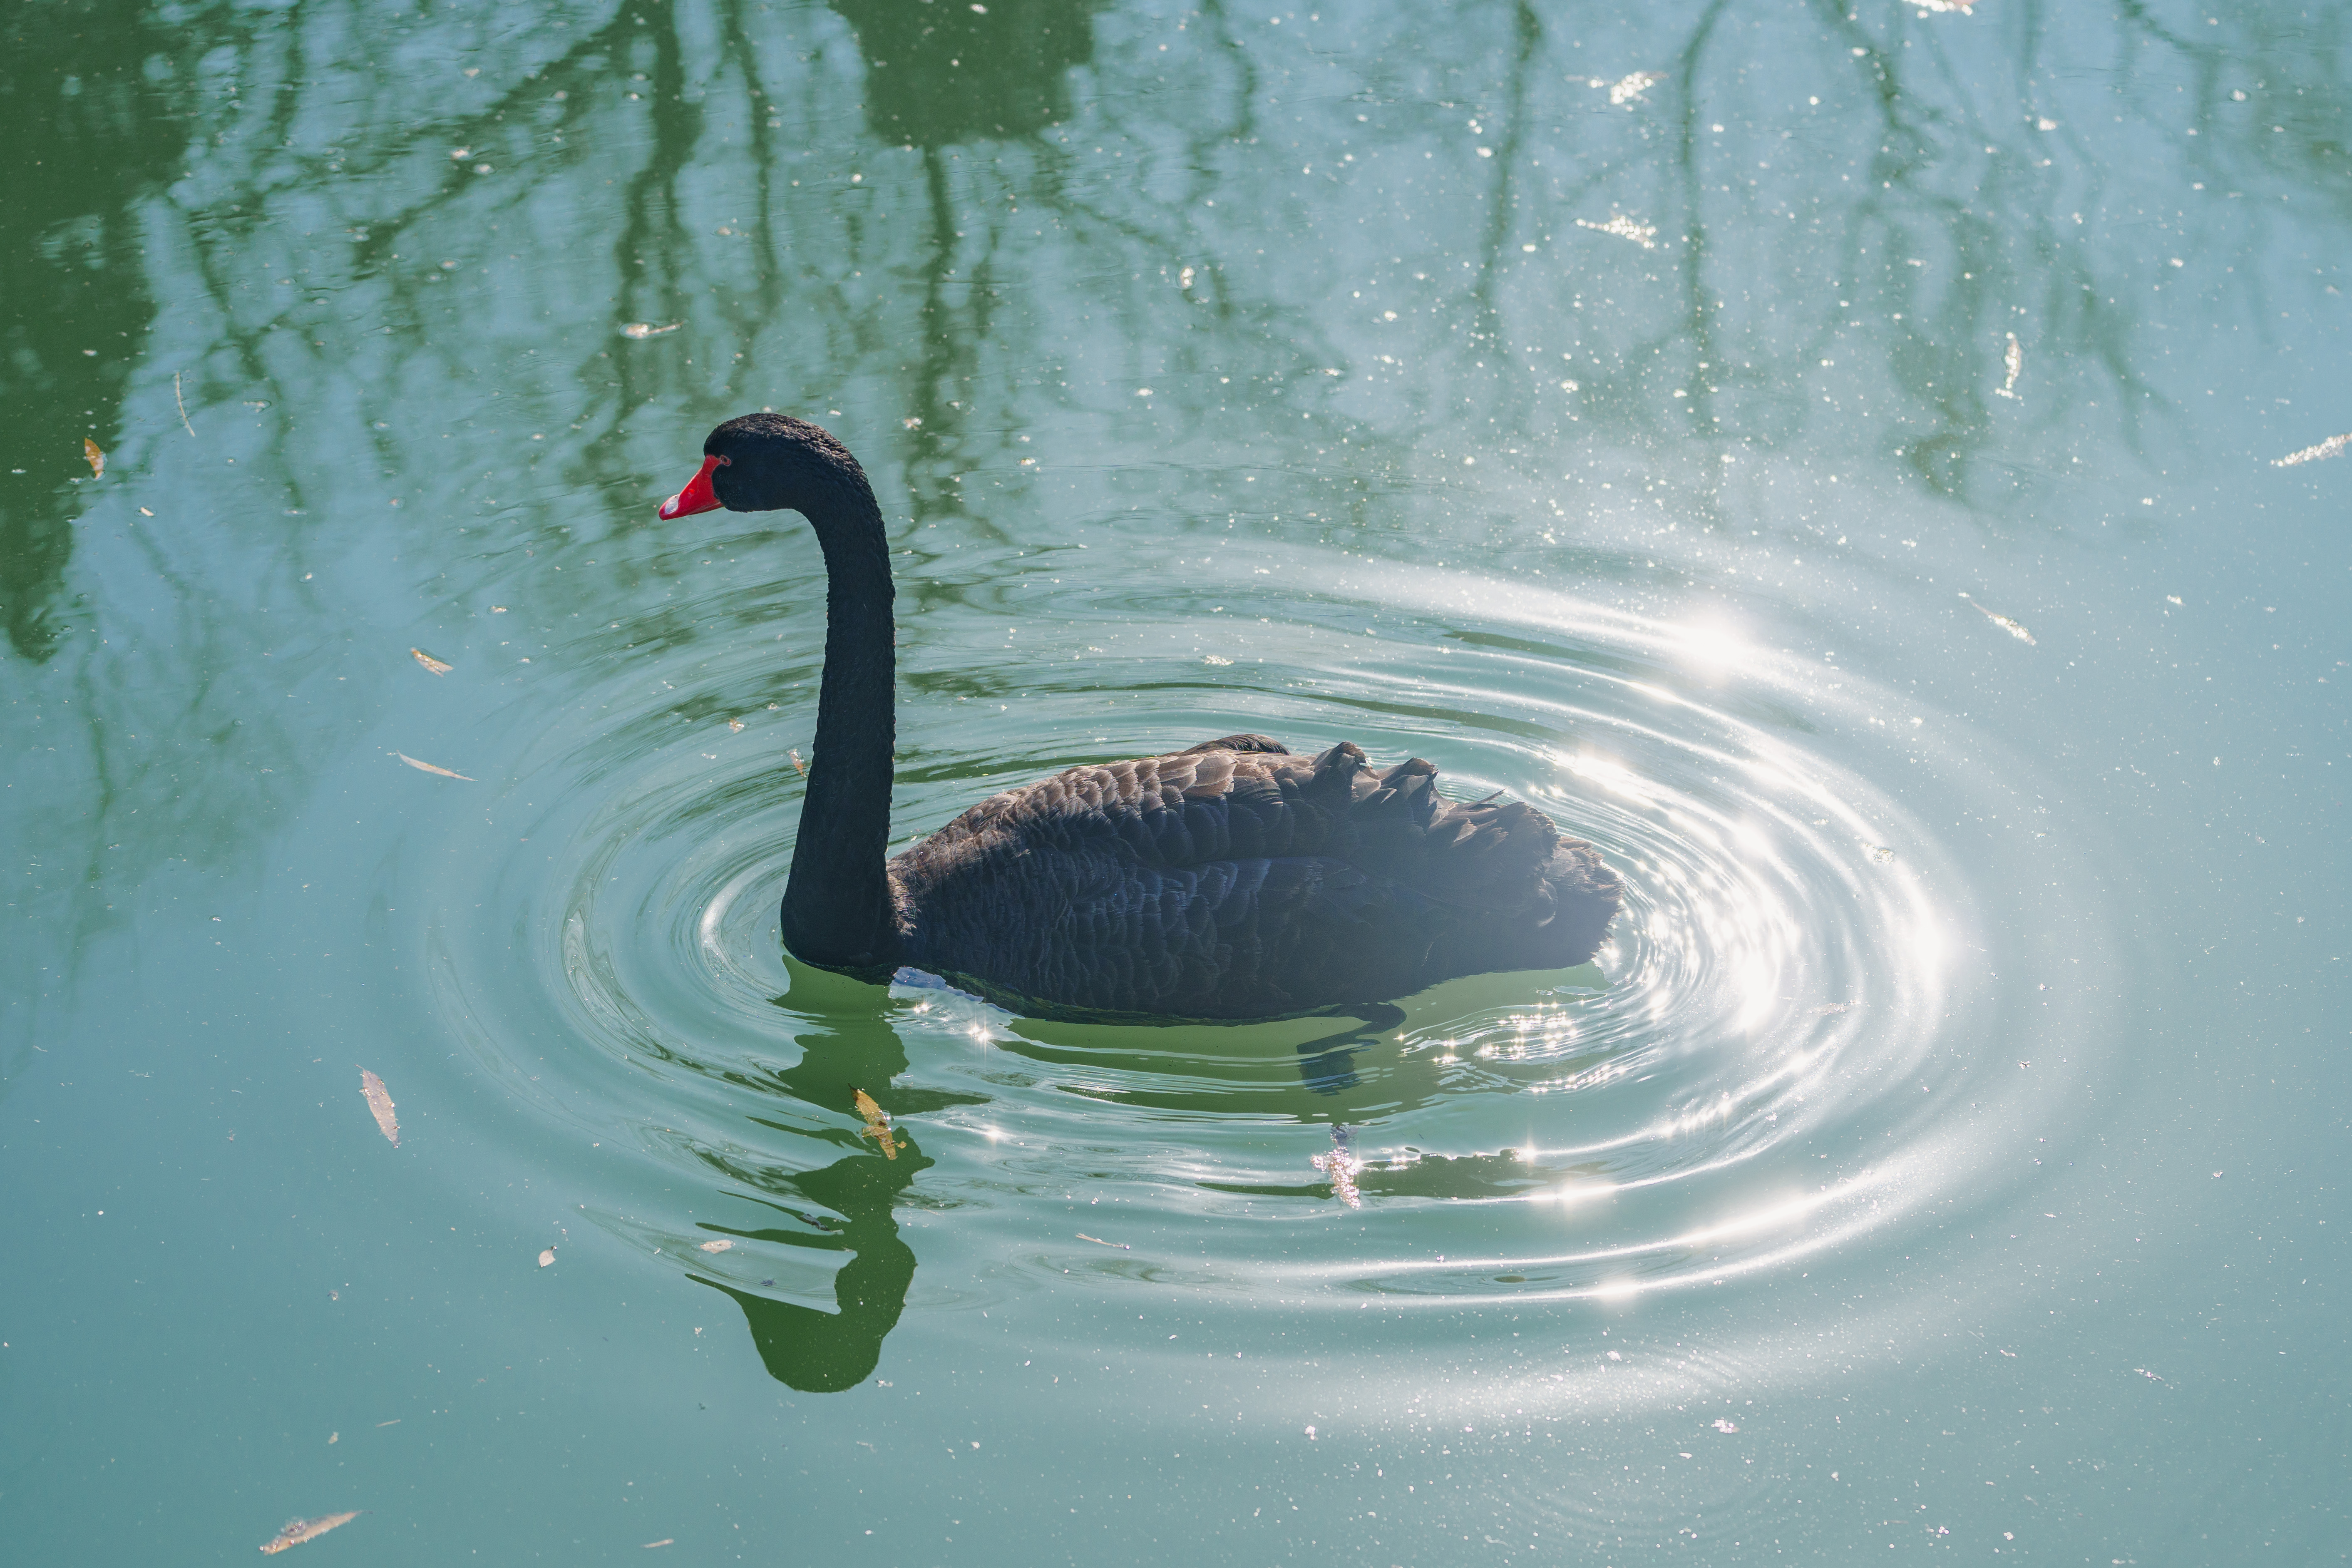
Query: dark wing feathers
[[1236, 880]]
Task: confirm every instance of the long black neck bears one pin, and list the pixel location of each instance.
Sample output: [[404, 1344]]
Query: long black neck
[[838, 909]]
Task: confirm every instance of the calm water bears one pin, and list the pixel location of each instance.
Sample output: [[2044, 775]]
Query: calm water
[[1825, 457]]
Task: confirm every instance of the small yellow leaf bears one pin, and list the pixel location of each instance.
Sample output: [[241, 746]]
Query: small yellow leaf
[[379, 1100], [97, 458], [428, 767], [798, 766], [429, 662], [736, 725], [878, 1123], [298, 1530], [720, 1245], [546, 1256]]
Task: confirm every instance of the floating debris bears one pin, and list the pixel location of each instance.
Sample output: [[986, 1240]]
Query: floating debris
[[720, 1245], [298, 1530], [2012, 628], [1098, 1241], [1879, 852], [2326, 449], [1723, 1425], [798, 766], [646, 330], [1215, 659], [429, 768], [1826, 1009], [912, 422], [89, 449], [181, 403], [1943, 7], [1627, 89], [1642, 234], [429, 662], [665, 1540], [1341, 1165], [546, 1256], [878, 1123], [2014, 360], [736, 725], [379, 1100]]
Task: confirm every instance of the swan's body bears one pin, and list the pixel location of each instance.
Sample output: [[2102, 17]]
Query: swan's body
[[1229, 880]]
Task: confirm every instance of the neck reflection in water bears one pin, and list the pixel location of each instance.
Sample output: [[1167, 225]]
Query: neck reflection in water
[[849, 1202]]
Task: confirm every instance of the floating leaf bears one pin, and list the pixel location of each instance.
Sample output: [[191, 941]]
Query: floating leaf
[[1644, 235], [379, 1100], [429, 768], [798, 766], [877, 1124], [89, 449], [721, 1245], [546, 1256], [429, 662], [643, 329], [2326, 449], [2004, 623], [736, 725], [298, 1530]]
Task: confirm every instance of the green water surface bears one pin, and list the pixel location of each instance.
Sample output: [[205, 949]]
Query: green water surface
[[1827, 454]]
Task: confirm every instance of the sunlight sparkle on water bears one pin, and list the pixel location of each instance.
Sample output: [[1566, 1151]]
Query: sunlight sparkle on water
[[1712, 647]]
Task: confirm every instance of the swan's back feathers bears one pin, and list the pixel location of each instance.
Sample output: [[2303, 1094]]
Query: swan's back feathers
[[1236, 880]]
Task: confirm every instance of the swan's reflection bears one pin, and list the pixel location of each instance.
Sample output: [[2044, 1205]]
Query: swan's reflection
[[824, 1352], [1358, 1063], [846, 1206]]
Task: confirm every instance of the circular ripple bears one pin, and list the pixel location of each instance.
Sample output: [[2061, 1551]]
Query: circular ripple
[[1765, 1060]]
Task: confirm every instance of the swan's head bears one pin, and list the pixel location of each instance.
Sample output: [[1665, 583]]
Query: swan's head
[[765, 462]]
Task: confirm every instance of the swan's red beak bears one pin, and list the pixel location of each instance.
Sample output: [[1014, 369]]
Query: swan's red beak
[[698, 495]]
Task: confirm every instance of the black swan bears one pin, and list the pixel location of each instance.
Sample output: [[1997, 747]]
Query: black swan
[[1230, 879]]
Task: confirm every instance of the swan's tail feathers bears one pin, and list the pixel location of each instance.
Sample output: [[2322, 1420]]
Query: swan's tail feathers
[[1331, 785], [1240, 744]]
